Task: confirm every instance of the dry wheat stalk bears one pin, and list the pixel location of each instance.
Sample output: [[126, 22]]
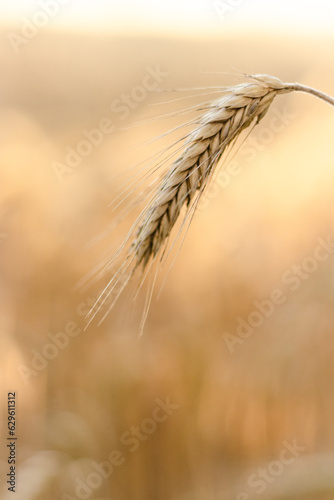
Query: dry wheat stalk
[[240, 106]]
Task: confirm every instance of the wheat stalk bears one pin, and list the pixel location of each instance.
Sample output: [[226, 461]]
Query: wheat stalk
[[186, 180]]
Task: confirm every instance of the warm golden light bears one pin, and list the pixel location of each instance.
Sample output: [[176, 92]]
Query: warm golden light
[[228, 394]]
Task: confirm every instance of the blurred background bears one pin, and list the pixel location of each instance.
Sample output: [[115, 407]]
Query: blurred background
[[229, 392]]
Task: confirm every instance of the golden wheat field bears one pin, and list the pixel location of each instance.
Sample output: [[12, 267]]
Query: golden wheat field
[[228, 394]]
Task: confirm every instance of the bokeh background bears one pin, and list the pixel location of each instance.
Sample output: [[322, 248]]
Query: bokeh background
[[237, 405]]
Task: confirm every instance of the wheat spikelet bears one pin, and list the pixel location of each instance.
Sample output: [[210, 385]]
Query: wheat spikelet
[[228, 116]]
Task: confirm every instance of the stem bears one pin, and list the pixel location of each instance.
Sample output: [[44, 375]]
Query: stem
[[309, 90]]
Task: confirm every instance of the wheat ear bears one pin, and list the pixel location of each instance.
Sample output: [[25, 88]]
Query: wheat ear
[[240, 106], [186, 180]]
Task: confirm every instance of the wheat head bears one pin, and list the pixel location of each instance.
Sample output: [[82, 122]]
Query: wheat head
[[186, 180], [240, 106]]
